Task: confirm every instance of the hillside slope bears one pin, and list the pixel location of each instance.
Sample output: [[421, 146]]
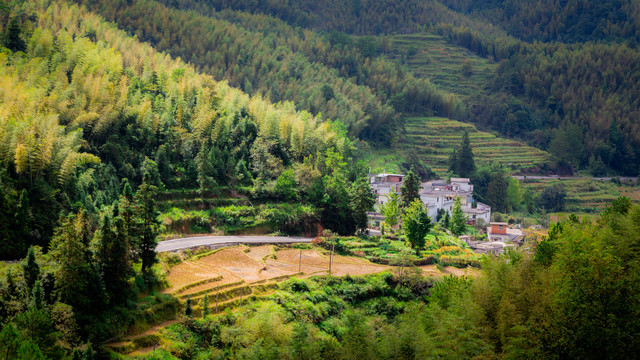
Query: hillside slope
[[85, 106]]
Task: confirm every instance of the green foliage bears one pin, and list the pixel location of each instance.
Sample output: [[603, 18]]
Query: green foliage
[[391, 209], [12, 38], [410, 190], [113, 255], [362, 201], [553, 198], [458, 222], [286, 186], [147, 220], [77, 279], [30, 270], [461, 161], [416, 223]]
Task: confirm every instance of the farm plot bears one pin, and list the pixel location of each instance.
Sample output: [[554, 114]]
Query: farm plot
[[586, 195], [434, 138], [432, 57]]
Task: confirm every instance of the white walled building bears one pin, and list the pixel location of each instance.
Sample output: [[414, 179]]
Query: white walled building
[[436, 195]]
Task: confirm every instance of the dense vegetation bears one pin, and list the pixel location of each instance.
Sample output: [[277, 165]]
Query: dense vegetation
[[555, 20], [85, 106], [99, 132], [265, 56], [575, 297], [541, 92]]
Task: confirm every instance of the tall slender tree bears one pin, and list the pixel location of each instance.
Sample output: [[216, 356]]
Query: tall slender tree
[[410, 189], [113, 255], [147, 220], [458, 220], [465, 163], [30, 270]]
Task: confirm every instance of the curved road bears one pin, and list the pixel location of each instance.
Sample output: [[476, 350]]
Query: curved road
[[221, 241]]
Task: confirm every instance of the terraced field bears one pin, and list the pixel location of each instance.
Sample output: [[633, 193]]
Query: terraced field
[[587, 195], [431, 56], [434, 138]]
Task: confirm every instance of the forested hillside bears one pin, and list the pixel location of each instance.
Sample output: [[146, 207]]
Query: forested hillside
[[556, 20], [540, 93], [84, 106], [265, 56]]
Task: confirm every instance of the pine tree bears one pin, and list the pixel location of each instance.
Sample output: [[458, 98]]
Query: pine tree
[[410, 189], [78, 281], [205, 305], [37, 297], [446, 219], [12, 39], [113, 255], [466, 166], [458, 219], [188, 311], [147, 220], [497, 191], [453, 161], [30, 269]]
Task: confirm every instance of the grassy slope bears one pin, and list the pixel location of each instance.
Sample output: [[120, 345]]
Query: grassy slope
[[434, 138], [587, 195], [431, 56], [440, 61]]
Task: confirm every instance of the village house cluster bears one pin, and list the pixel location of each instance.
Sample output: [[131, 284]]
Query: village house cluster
[[439, 196], [436, 195]]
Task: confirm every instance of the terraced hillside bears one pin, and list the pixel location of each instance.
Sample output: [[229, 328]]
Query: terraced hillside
[[431, 56], [434, 138], [587, 195]]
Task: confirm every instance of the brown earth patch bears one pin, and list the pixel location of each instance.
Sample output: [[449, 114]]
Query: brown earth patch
[[258, 253]]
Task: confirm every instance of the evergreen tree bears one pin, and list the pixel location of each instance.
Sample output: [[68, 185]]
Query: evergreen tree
[[497, 191], [78, 281], [416, 223], [205, 305], [30, 270], [113, 255], [37, 296], [362, 200], [446, 221], [147, 220], [188, 311], [12, 39], [22, 230], [458, 219], [466, 166], [410, 189]]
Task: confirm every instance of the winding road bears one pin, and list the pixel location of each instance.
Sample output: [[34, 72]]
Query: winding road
[[222, 241]]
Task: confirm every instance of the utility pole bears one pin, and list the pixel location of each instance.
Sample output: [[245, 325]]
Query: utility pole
[[300, 262]]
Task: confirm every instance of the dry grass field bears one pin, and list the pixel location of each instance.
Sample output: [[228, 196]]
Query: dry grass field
[[265, 263]]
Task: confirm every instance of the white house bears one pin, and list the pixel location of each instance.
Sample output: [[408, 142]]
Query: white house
[[435, 195], [383, 184]]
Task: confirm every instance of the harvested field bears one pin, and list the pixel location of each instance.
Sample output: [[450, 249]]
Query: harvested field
[[190, 272], [258, 253], [256, 264]]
